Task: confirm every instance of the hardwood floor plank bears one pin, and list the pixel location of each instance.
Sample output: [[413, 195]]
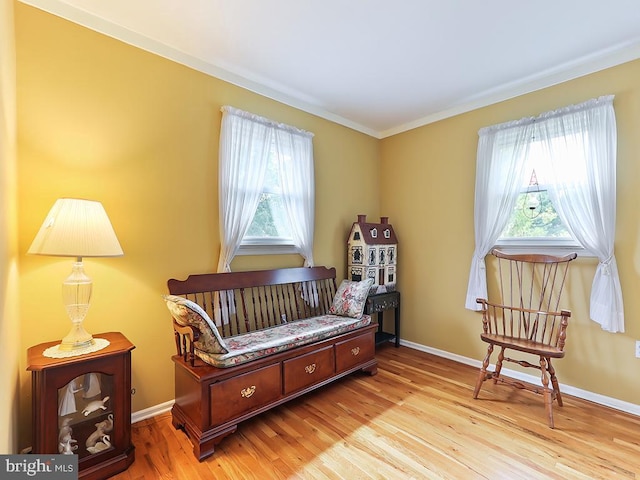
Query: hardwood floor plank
[[416, 419]]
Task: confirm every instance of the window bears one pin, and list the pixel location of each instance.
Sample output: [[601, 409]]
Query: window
[[573, 153], [535, 224], [266, 188], [270, 230]]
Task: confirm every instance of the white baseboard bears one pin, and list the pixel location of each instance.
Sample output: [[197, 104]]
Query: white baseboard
[[568, 389], [151, 411]]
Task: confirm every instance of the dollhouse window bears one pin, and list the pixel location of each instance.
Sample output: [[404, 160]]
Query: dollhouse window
[[356, 255]]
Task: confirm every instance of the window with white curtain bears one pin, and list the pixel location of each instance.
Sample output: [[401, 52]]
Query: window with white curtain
[[266, 187], [573, 153]]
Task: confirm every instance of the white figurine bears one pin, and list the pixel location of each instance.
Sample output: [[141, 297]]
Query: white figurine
[[65, 446], [68, 403], [101, 428], [100, 446], [65, 430], [91, 385], [95, 405], [65, 439]]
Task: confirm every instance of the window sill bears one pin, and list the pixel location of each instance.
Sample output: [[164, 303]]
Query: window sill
[[543, 248], [267, 249]]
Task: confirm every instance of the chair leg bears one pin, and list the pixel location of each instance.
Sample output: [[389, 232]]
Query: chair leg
[[496, 373], [482, 374], [548, 398], [554, 382]]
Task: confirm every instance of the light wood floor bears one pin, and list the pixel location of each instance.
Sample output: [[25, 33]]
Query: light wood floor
[[415, 419]]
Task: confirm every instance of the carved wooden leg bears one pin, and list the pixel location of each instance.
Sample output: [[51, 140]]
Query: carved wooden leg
[[554, 382], [496, 373], [482, 374], [548, 399]]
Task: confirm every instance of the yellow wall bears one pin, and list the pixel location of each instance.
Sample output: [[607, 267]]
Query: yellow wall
[[430, 193], [103, 120], [9, 319]]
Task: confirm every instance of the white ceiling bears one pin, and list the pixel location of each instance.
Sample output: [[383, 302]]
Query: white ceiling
[[378, 66]]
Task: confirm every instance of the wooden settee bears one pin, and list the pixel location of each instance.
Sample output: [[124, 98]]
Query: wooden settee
[[273, 335]]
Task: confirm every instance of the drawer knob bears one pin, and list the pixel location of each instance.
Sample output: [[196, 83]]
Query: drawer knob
[[247, 392], [310, 368], [355, 351]]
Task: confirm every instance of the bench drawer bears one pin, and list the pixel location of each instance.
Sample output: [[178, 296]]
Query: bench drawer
[[308, 369], [354, 351], [233, 397]]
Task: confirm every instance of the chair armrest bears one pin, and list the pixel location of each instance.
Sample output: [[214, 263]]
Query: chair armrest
[[186, 336]]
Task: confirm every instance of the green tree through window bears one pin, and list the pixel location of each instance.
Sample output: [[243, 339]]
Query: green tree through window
[[541, 222]]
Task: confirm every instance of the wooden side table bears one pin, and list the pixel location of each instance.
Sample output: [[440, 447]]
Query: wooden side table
[[82, 406], [377, 304]]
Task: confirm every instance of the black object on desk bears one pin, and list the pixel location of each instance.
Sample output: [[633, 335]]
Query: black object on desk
[[378, 303]]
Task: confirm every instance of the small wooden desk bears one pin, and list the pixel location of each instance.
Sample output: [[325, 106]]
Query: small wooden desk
[[377, 304]]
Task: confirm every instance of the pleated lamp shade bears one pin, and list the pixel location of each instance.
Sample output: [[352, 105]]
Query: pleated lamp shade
[[76, 228]]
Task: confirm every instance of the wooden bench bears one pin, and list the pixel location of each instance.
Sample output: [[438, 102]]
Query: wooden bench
[[210, 401]]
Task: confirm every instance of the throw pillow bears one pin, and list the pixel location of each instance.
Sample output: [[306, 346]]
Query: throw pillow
[[186, 312], [350, 298]]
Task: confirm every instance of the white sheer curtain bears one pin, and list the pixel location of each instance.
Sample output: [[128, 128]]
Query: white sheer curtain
[[579, 156], [499, 172], [294, 149], [245, 145], [585, 199], [244, 156], [246, 142], [295, 160]]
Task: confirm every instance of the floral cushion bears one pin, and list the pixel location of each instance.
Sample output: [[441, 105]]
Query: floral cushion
[[188, 313], [260, 343], [350, 298]]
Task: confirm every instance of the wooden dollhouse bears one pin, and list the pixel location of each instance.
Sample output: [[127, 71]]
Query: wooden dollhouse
[[372, 253]]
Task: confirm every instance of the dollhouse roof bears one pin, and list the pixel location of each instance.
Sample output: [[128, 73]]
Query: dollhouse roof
[[367, 228]]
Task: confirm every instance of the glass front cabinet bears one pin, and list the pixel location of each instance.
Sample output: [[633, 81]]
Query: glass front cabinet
[[82, 406]]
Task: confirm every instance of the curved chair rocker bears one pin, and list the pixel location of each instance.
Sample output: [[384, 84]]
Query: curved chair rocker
[[527, 319]]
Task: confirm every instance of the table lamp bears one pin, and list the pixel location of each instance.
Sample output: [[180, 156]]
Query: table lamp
[[76, 228]]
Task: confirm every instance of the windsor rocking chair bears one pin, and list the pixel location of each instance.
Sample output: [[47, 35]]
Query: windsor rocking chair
[[526, 318]]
